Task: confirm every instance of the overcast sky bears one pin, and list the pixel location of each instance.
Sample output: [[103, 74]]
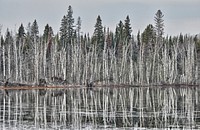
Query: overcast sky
[[179, 15]]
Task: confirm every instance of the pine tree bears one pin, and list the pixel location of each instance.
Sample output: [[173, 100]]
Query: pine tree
[[159, 26], [98, 35]]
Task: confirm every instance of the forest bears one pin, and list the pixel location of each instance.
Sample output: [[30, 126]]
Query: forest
[[119, 57]]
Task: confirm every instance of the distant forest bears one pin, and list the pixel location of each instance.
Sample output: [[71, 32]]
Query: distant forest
[[118, 57]]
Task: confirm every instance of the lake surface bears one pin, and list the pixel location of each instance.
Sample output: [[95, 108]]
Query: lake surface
[[155, 107]]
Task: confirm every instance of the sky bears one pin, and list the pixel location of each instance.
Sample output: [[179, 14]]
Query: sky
[[180, 16]]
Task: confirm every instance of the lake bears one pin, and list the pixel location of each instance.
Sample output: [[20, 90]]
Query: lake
[[104, 107]]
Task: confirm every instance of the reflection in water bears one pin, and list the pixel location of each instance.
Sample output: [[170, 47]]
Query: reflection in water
[[145, 107]]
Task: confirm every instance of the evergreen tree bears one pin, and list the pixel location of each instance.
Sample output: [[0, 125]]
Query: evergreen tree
[[33, 51], [109, 38], [119, 37], [28, 38], [34, 31], [119, 33], [1, 55], [0, 29], [78, 28], [8, 38], [48, 33], [63, 31], [20, 34], [127, 27], [148, 36], [98, 36], [159, 26], [78, 25], [67, 33], [28, 29], [21, 31], [70, 24], [67, 28], [180, 38], [2, 41], [170, 40], [197, 41], [138, 38]]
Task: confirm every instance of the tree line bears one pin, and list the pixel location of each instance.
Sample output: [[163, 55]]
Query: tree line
[[147, 57]]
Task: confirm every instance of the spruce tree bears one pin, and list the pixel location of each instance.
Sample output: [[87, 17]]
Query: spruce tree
[[181, 38], [109, 38], [78, 28], [48, 33], [67, 28], [63, 31], [21, 32], [148, 36], [70, 24], [159, 26], [67, 33], [196, 40], [34, 31], [28, 29], [127, 29], [138, 38], [98, 35], [8, 38], [2, 41], [119, 34], [119, 37]]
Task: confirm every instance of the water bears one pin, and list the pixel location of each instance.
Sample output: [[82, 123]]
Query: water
[[101, 108]]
